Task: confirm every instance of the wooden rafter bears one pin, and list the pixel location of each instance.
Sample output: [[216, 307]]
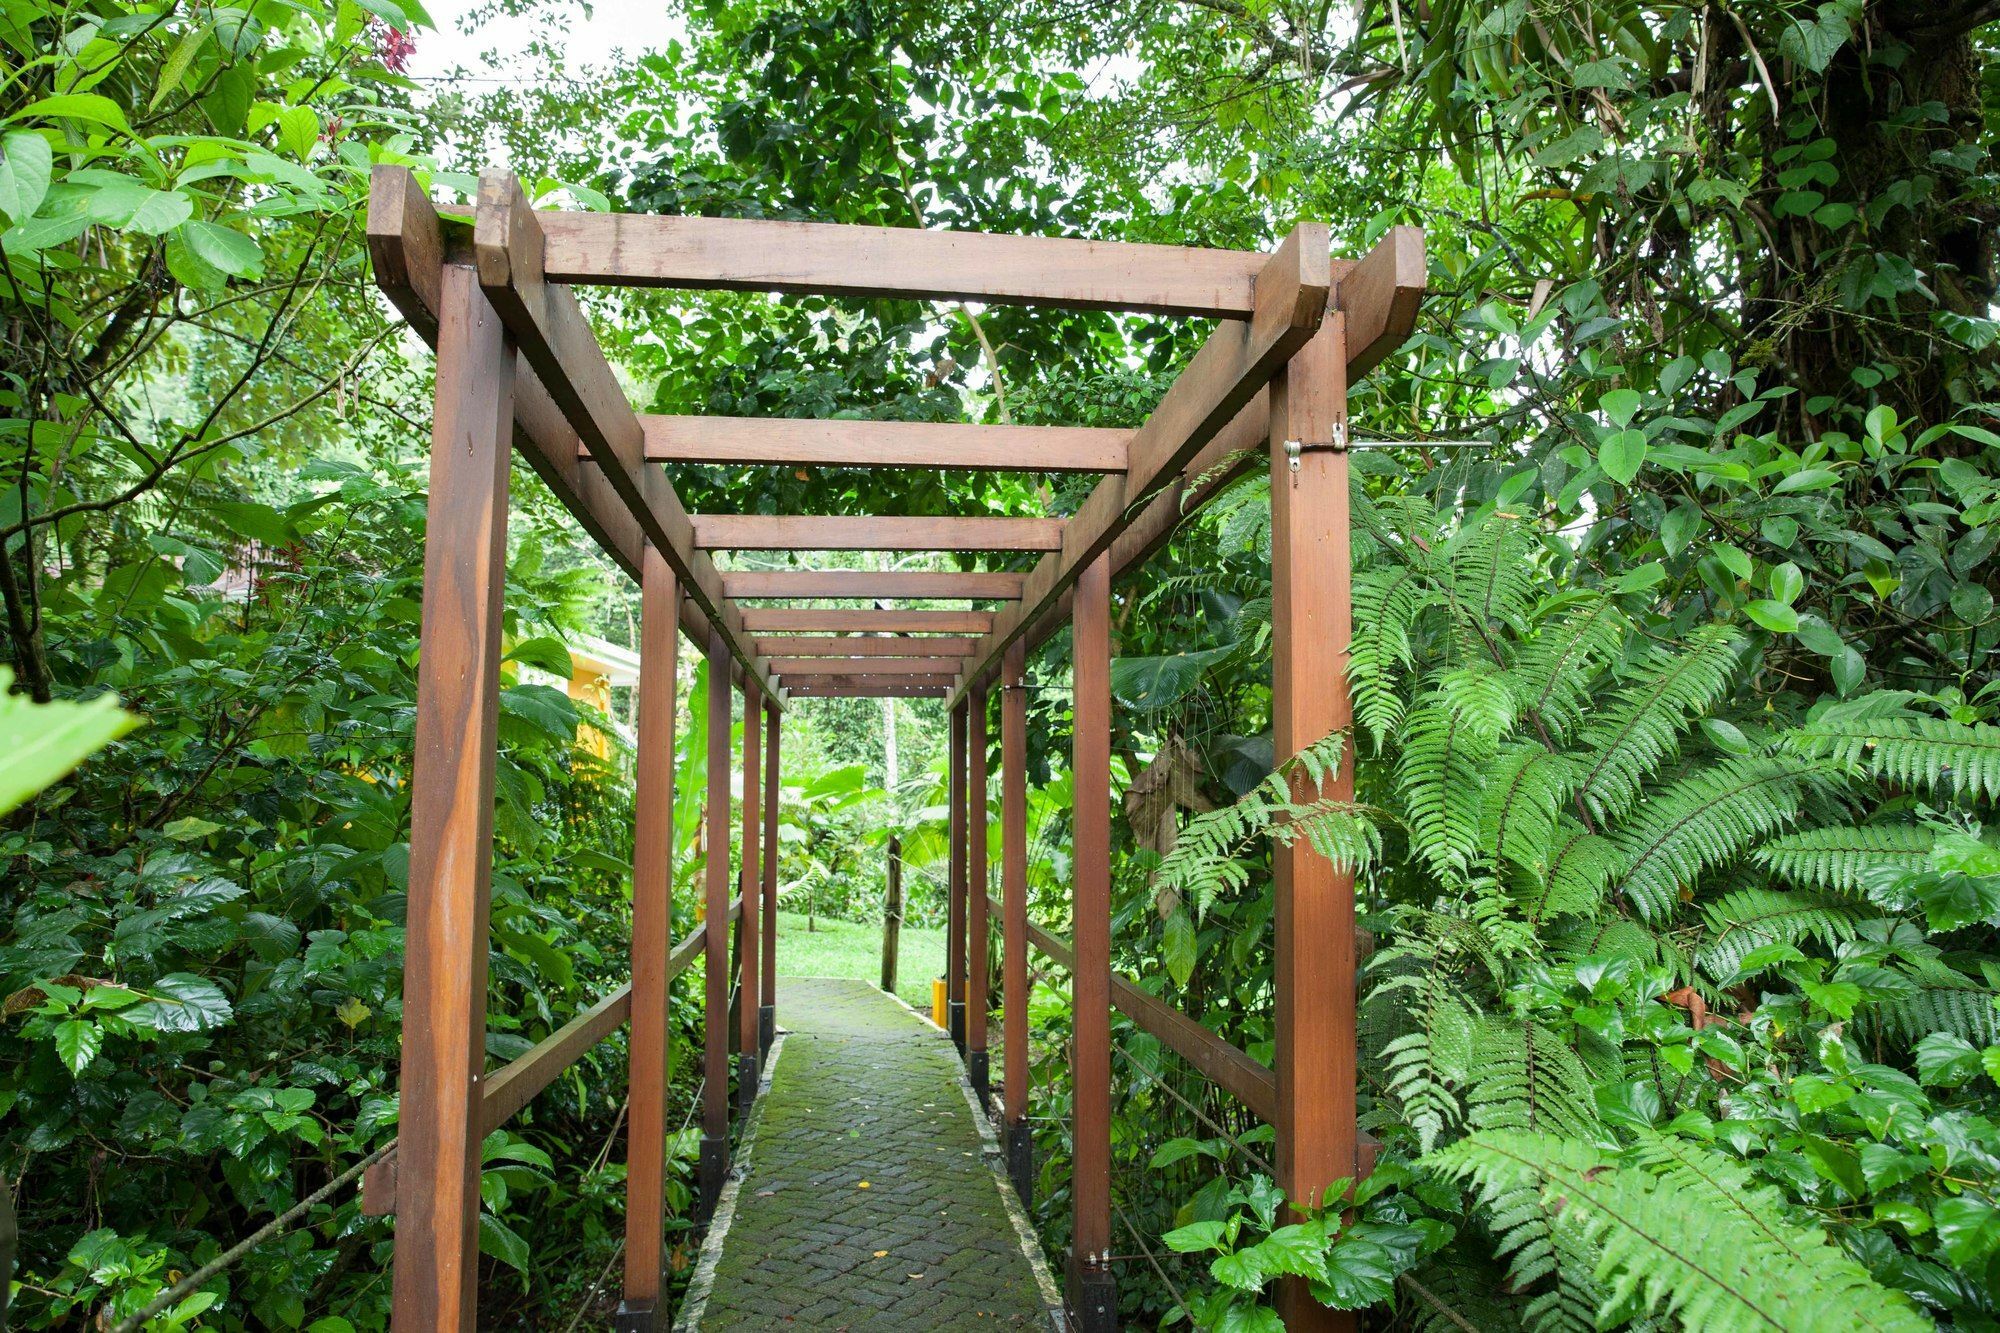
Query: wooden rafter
[[888, 645], [815, 532], [935, 680], [807, 621], [871, 585], [787, 442], [790, 667]]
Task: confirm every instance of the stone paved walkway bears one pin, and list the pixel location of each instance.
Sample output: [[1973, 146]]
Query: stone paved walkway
[[868, 1203]]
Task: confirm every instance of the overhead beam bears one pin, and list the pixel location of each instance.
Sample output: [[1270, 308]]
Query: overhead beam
[[893, 645], [754, 255], [791, 442], [935, 680], [549, 327], [1230, 370], [870, 584], [815, 532], [806, 621], [847, 690], [791, 667]]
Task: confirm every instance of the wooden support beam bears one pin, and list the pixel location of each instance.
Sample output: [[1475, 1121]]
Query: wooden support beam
[[436, 1283], [817, 532], [885, 646], [751, 875], [767, 1020], [753, 255], [789, 442], [871, 584], [1222, 379], [1019, 1141], [650, 1064], [557, 341], [714, 1162], [863, 621], [897, 689], [954, 949], [809, 679], [1313, 962], [1092, 1287], [864, 666], [978, 995]]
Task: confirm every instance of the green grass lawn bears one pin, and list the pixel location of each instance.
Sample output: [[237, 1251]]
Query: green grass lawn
[[848, 949]]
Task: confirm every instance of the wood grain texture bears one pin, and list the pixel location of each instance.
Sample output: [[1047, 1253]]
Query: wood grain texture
[[1090, 976], [731, 254], [897, 689], [1313, 920], [751, 877], [807, 680], [955, 446], [787, 667], [817, 532], [715, 890], [768, 620], [650, 1062], [1381, 297], [769, 935], [871, 585], [891, 645], [978, 994], [954, 967], [1014, 885], [436, 1281]]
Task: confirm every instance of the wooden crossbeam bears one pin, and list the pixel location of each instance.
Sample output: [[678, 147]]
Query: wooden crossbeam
[[554, 338], [806, 621], [899, 690], [918, 680], [1224, 377], [740, 254], [870, 584], [894, 645], [815, 532], [790, 442], [790, 667]]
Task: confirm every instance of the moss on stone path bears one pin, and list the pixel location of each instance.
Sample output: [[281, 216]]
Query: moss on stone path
[[868, 1203]]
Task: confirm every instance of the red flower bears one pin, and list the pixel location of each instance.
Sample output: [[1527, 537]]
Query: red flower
[[395, 48]]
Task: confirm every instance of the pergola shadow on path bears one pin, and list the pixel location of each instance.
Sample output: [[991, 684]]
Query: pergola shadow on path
[[519, 367]]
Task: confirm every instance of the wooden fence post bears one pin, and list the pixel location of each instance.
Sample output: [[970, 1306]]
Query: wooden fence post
[[1311, 622], [715, 884], [978, 994], [436, 1283], [954, 967], [652, 940], [1093, 1291], [1014, 919], [751, 878], [892, 914], [767, 1011]]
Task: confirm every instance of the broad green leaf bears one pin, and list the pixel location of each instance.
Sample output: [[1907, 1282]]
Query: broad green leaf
[[1177, 947], [1619, 406], [1195, 1237], [24, 175], [499, 1241], [1622, 454], [298, 130], [77, 1042], [182, 1002], [92, 107], [176, 65], [160, 212], [1773, 616], [1968, 1229], [43, 742]]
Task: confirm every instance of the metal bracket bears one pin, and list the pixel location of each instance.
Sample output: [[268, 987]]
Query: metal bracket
[[1297, 449]]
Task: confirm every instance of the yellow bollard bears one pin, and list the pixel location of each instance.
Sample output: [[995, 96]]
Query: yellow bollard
[[938, 1007]]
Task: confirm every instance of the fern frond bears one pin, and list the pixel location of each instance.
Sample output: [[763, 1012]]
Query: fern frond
[[1387, 603], [1627, 742], [1553, 675], [1944, 1000], [1700, 821], [1440, 773], [1424, 1065], [1517, 817], [1529, 1078], [1752, 918], [1928, 753], [1670, 1243], [1479, 698], [1840, 859], [1580, 865], [1493, 573]]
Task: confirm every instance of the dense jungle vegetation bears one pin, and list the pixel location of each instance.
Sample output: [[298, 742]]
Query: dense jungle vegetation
[[1674, 664]]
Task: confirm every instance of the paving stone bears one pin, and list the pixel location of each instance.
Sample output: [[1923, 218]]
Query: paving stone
[[865, 1092]]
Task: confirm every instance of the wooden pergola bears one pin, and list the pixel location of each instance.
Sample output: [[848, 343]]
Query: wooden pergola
[[519, 368]]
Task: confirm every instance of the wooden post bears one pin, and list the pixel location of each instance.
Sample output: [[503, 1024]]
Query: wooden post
[[1093, 1292], [751, 879], [1014, 919], [954, 965], [436, 1282], [714, 1162], [1311, 622], [767, 1011], [978, 994], [643, 1311], [892, 915]]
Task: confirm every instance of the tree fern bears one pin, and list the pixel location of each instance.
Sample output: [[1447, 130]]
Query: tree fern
[[1752, 918], [1700, 821], [1717, 1259], [1628, 742], [1840, 859], [1926, 753]]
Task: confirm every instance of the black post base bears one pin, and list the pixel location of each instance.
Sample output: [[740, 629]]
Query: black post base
[[746, 1081], [976, 1070], [713, 1167], [1021, 1162], [639, 1317], [767, 1026], [1092, 1296], [956, 1014]]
